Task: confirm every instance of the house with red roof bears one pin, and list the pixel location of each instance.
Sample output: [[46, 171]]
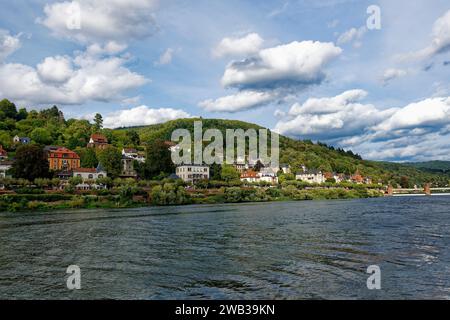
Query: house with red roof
[[62, 159], [98, 141]]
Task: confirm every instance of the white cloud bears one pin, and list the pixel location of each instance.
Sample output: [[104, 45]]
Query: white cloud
[[165, 58], [393, 73], [240, 101], [55, 69], [440, 41], [68, 81], [110, 48], [331, 118], [101, 20], [273, 75], [352, 35], [296, 63], [247, 45], [142, 115], [8, 44], [430, 113], [417, 131]]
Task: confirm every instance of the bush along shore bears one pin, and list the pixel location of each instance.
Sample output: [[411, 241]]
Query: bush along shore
[[129, 193]]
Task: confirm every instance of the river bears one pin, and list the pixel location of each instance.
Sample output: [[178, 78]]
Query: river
[[279, 250]]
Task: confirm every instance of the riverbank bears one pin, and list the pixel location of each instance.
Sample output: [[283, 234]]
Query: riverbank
[[170, 194]]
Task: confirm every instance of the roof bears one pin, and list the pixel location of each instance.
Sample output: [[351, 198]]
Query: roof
[[173, 176], [85, 170], [249, 174], [99, 138], [170, 144], [63, 153], [6, 163], [129, 150], [3, 151]]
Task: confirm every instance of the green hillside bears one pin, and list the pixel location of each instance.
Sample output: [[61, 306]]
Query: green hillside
[[49, 127], [314, 156], [432, 166]]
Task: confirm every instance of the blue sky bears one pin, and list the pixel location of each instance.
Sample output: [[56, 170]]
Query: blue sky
[[309, 69]]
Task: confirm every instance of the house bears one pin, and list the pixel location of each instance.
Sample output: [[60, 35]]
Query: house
[[90, 173], [63, 159], [98, 141], [333, 176], [128, 170], [240, 167], [5, 166], [192, 173], [269, 175], [133, 154], [3, 153], [357, 178], [285, 168], [250, 176], [311, 176], [22, 140]]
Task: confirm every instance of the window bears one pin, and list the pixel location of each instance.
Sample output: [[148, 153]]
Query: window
[[91, 176], [100, 176]]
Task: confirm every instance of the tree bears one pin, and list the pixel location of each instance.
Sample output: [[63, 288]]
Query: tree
[[41, 136], [158, 160], [30, 163], [8, 109], [88, 157], [133, 137], [98, 122], [111, 160], [229, 173], [258, 166]]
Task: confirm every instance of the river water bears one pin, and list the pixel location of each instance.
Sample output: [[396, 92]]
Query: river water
[[285, 250]]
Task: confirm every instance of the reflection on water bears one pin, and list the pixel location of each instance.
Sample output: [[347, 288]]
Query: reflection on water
[[290, 250]]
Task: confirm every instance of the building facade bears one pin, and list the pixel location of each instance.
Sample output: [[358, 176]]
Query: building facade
[[63, 159], [192, 173], [5, 166], [3, 153], [22, 140], [311, 176], [98, 141]]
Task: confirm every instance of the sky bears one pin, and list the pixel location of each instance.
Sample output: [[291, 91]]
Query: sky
[[326, 70]]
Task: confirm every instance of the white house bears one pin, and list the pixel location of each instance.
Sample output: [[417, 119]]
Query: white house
[[22, 140], [90, 173], [285, 168], [4, 167], [311, 176], [250, 176], [192, 173], [131, 153]]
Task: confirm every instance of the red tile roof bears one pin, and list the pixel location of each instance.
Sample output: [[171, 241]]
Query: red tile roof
[[63, 153], [249, 174], [99, 138], [85, 170], [3, 152]]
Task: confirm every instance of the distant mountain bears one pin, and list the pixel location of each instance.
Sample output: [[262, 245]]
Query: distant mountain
[[432, 166], [304, 152]]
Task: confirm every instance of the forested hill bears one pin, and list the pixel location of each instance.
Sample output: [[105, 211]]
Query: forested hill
[[305, 152], [49, 127]]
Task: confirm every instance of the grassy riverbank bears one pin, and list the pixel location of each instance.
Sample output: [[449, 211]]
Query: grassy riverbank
[[173, 194]]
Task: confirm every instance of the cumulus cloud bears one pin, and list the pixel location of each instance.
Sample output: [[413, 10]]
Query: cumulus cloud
[[165, 58], [68, 80], [440, 41], [243, 46], [142, 115], [8, 44], [352, 35], [331, 118], [293, 64], [273, 75], [100, 20], [417, 131], [391, 74], [240, 101]]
